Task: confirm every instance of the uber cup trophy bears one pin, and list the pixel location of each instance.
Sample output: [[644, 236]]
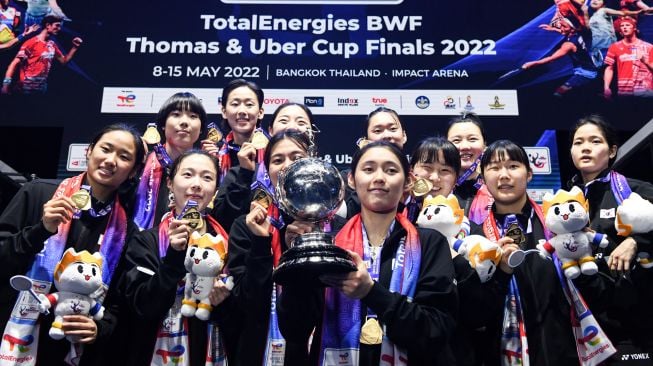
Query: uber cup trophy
[[311, 190]]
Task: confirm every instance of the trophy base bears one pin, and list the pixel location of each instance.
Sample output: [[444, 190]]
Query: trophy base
[[303, 264]]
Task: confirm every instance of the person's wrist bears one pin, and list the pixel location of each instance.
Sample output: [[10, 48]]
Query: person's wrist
[[20, 37], [6, 81]]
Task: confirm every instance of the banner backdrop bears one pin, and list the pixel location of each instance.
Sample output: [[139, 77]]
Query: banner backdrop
[[427, 59]]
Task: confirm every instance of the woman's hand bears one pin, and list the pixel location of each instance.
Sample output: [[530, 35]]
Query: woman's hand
[[178, 234], [622, 256], [508, 246], [356, 284], [221, 290], [210, 147], [82, 328], [257, 220], [57, 211], [247, 156], [296, 229]]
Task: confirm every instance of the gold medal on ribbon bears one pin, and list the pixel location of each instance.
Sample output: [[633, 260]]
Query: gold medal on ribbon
[[516, 233], [214, 135], [259, 140], [361, 142], [82, 199], [262, 198], [421, 187], [194, 218], [371, 333], [151, 135]]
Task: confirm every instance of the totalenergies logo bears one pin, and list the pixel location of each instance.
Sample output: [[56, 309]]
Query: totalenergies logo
[[590, 336], [126, 100], [21, 343], [174, 355]]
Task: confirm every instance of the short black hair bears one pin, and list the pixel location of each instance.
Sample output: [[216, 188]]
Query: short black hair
[[505, 150], [307, 110], [471, 118], [300, 138], [175, 165], [427, 150], [380, 110], [603, 125], [386, 145], [235, 84], [183, 101]]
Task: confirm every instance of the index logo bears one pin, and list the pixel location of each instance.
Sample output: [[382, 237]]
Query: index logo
[[314, 101]]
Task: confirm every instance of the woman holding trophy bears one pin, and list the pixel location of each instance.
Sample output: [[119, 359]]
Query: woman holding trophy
[[256, 241], [399, 304]]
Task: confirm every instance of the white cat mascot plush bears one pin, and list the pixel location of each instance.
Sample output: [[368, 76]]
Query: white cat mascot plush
[[204, 261], [444, 215], [78, 277], [635, 216], [483, 255], [566, 215]]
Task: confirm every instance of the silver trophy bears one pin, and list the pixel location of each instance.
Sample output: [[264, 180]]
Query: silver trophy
[[311, 190]]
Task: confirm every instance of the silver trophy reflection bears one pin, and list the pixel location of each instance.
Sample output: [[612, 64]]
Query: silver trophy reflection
[[311, 190]]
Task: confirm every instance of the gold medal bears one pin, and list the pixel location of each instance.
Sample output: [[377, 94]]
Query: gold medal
[[82, 199], [214, 135], [194, 218], [151, 135], [259, 140], [262, 198], [371, 333], [421, 187], [516, 233], [361, 142]]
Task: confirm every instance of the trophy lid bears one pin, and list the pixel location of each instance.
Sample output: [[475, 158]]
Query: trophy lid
[[310, 189]]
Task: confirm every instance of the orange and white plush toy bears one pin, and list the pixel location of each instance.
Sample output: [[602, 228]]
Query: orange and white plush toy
[[635, 216], [483, 255], [444, 215], [78, 277], [204, 260], [566, 215]]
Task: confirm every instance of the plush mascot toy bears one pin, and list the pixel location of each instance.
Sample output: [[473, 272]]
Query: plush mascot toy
[[483, 255], [78, 277], [566, 216], [204, 261], [444, 215], [635, 216]]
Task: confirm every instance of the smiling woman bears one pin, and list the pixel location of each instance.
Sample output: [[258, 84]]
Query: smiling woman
[[379, 311], [84, 212], [155, 270], [182, 117]]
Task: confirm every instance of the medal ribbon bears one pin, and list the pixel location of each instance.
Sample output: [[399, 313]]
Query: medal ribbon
[[275, 345], [592, 344], [91, 211], [471, 170], [341, 334], [514, 341], [147, 193], [172, 345], [22, 329]]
